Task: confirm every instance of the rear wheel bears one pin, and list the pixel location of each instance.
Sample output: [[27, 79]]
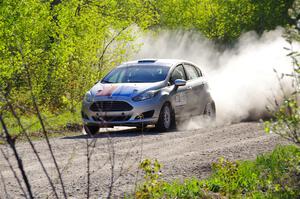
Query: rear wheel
[[210, 110], [166, 120], [91, 130]]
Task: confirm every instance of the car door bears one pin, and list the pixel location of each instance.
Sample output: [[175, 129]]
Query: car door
[[197, 83], [180, 95]]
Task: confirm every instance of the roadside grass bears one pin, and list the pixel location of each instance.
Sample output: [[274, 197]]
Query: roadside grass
[[57, 124], [272, 175]]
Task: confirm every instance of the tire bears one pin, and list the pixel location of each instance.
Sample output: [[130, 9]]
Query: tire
[[210, 110], [166, 120], [91, 130]]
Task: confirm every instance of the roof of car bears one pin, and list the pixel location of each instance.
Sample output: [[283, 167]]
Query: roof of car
[[159, 62]]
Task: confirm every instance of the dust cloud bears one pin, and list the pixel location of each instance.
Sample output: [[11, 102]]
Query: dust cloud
[[242, 78]]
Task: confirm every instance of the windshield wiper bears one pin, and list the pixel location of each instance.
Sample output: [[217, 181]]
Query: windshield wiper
[[136, 82]]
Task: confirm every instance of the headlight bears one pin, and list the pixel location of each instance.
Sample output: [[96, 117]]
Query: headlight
[[88, 97], [145, 96]]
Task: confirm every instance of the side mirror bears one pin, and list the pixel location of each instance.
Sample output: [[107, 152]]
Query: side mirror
[[180, 82]]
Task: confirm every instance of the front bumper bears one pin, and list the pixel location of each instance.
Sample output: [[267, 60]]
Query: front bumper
[[143, 112]]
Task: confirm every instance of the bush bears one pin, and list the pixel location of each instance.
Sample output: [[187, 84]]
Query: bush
[[155, 187], [273, 175]]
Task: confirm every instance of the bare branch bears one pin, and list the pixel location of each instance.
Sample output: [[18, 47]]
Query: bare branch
[[11, 143], [4, 185], [101, 58], [88, 174], [45, 133], [111, 152], [23, 131], [13, 171]]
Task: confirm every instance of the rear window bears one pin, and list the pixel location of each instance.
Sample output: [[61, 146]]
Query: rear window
[[199, 72], [137, 74]]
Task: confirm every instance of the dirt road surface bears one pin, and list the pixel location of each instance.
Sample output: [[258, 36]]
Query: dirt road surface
[[183, 154]]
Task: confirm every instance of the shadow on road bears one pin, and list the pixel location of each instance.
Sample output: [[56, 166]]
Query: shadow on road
[[118, 132]]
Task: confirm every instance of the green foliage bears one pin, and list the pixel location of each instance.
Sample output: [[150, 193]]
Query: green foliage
[[224, 20], [190, 188], [154, 187], [229, 177], [292, 33], [287, 120], [268, 176], [273, 175], [61, 50], [150, 188], [56, 52]]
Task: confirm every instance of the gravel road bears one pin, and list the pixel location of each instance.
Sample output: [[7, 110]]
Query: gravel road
[[183, 154]]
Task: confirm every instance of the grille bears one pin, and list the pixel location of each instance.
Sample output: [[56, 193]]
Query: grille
[[107, 106], [111, 118]]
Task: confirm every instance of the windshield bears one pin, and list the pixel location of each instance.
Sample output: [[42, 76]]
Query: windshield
[[137, 74]]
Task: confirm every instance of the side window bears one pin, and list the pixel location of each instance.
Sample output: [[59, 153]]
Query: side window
[[191, 72], [178, 73], [199, 72]]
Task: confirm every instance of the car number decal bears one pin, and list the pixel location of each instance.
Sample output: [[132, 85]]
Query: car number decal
[[180, 99]]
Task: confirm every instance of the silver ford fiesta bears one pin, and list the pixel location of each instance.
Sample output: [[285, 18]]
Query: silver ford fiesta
[[145, 92]]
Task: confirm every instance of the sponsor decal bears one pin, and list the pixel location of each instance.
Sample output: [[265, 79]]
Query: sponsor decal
[[107, 90], [116, 90]]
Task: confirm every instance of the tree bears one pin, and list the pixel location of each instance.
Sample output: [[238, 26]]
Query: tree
[[223, 20], [65, 47]]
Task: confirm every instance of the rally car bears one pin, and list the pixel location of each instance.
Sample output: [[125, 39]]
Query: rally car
[[149, 91]]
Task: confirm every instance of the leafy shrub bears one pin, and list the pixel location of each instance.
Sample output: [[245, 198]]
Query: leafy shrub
[[270, 175], [155, 187], [151, 186], [273, 175], [287, 120], [232, 177]]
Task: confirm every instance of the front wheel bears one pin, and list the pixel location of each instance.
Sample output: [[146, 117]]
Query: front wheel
[[91, 130], [166, 120]]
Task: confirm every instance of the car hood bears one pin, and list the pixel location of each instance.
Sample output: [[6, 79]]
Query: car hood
[[124, 89]]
